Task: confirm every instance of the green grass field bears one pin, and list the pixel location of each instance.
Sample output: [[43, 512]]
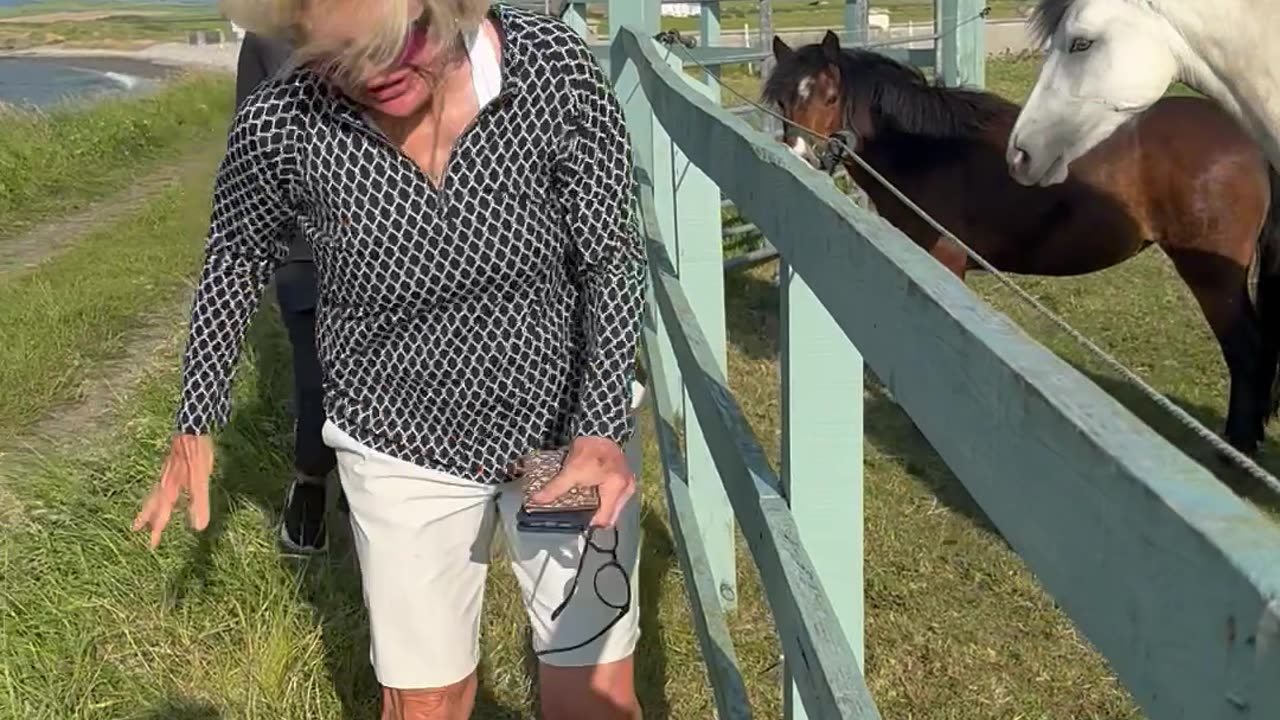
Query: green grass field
[[219, 625], [109, 25]]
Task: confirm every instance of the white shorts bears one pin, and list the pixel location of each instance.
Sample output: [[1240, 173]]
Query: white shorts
[[423, 542]]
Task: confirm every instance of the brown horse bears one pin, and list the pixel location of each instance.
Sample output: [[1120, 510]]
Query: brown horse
[[1183, 176]]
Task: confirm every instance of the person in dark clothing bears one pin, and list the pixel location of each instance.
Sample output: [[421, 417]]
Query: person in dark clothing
[[302, 526]]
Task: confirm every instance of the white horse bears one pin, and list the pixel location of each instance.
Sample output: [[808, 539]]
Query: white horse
[[1109, 60]]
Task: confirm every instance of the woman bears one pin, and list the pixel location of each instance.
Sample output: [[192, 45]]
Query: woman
[[463, 177]]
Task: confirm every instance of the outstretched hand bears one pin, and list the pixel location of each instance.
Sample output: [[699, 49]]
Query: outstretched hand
[[594, 462], [186, 470]]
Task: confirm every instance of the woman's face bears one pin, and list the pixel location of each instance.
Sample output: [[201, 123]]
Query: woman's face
[[407, 84]]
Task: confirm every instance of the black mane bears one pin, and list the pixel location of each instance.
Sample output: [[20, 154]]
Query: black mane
[[898, 96], [1046, 17]]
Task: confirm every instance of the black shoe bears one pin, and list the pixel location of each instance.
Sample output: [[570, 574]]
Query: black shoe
[[302, 527]]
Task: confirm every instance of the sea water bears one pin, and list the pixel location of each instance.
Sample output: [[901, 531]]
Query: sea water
[[45, 83]]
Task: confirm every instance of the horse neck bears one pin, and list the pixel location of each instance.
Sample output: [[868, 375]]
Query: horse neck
[[1225, 50]]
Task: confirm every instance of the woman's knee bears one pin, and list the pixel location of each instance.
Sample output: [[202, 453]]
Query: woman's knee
[[598, 692], [452, 702]]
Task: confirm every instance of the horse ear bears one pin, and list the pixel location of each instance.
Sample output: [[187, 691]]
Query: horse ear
[[781, 50], [831, 46]]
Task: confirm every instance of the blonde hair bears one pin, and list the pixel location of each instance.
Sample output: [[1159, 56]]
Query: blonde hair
[[353, 60]]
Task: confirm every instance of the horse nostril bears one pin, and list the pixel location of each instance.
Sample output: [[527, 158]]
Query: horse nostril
[[1019, 158]]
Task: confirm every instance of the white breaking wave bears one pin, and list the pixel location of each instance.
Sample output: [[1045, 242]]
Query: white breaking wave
[[128, 82]]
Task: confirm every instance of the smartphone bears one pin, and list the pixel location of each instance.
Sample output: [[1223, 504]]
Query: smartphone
[[568, 522]]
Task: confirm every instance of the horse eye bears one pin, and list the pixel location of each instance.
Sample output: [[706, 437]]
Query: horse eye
[[832, 99], [1080, 45]]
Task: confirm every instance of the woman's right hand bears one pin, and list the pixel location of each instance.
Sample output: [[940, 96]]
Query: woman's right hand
[[187, 469]]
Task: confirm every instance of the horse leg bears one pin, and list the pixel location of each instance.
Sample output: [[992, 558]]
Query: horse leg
[[1221, 289], [952, 256]]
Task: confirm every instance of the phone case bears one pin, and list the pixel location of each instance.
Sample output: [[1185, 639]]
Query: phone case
[[539, 468]]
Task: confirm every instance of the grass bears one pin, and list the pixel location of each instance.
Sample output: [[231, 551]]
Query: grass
[[219, 625], [57, 323], [116, 25], [55, 162]]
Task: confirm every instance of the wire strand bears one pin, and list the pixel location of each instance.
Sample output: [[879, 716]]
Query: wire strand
[[1242, 461]]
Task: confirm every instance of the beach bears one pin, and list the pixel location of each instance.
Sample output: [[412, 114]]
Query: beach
[[164, 55]]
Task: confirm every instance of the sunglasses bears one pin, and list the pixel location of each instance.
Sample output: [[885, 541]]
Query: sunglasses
[[610, 582], [415, 37]]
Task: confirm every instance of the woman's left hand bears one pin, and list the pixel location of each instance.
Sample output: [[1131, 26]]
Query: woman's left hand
[[598, 462]]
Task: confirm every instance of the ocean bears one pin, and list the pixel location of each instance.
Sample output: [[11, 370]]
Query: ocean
[[46, 82]]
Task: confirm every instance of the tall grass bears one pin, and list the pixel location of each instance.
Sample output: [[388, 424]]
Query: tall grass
[[52, 162]]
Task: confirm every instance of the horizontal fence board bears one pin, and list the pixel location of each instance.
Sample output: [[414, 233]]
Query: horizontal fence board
[[727, 687], [714, 57], [826, 670], [1169, 574]]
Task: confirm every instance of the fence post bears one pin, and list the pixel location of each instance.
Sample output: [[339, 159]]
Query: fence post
[[692, 210], [575, 15], [961, 48], [709, 31], [822, 456], [651, 159], [856, 28]]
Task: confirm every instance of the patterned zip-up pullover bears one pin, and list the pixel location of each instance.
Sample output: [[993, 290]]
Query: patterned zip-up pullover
[[460, 326]]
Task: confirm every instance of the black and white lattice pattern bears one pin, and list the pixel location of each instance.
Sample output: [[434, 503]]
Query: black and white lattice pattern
[[458, 327]]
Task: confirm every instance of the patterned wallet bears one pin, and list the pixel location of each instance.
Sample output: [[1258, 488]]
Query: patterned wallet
[[537, 469]]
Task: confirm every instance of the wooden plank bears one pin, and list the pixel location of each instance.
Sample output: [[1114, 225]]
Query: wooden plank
[[688, 204], [961, 45], [717, 56], [822, 456], [826, 670], [574, 14], [709, 36], [651, 147], [727, 687], [751, 259], [1169, 574]]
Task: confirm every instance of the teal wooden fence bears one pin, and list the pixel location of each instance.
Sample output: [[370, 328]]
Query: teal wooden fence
[[1169, 574]]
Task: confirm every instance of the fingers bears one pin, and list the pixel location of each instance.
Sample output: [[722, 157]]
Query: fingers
[[198, 511], [614, 494], [188, 466]]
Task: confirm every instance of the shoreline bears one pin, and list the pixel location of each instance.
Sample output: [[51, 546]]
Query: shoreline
[[133, 67], [155, 62]]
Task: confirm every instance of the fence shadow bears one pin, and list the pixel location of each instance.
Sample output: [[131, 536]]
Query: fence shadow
[[1189, 442], [752, 325], [753, 328]]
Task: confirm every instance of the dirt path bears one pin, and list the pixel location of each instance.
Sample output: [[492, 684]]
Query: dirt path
[[88, 419], [29, 249]]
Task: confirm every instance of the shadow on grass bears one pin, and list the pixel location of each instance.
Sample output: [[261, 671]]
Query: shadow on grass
[[182, 709], [1185, 439], [752, 324]]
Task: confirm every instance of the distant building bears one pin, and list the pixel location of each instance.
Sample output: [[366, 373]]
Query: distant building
[[551, 7], [687, 9]]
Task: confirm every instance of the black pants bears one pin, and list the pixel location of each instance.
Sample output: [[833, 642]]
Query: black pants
[[296, 294]]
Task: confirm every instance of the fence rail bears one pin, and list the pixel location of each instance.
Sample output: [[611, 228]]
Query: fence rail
[[1169, 574]]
